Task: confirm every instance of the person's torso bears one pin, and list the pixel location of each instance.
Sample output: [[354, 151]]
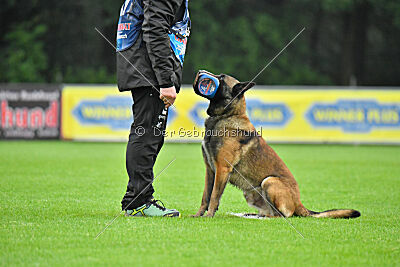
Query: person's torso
[[130, 26]]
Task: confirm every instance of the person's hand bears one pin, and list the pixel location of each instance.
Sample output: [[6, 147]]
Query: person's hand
[[168, 95]]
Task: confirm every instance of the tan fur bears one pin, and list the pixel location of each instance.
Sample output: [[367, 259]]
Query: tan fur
[[230, 81], [266, 176]]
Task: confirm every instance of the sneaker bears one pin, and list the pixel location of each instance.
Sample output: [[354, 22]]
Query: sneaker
[[153, 209]]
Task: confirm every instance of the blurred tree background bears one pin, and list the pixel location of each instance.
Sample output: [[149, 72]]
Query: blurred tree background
[[346, 42]]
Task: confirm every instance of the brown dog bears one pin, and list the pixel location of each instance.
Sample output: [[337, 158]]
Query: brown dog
[[234, 152]]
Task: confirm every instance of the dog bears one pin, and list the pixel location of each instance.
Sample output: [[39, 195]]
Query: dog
[[233, 152]]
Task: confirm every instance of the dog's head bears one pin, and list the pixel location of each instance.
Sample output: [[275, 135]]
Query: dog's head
[[226, 94]]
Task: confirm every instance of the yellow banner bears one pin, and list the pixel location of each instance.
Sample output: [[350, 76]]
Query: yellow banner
[[96, 113], [284, 115]]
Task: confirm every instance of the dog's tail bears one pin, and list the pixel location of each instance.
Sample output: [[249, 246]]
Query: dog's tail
[[335, 214]]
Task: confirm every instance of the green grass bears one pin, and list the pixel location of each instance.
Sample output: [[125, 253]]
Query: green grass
[[57, 196]]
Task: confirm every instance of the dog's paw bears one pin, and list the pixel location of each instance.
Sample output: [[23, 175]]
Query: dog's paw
[[210, 214], [198, 214]]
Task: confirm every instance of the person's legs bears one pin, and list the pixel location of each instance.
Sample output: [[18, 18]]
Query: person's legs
[[145, 141]]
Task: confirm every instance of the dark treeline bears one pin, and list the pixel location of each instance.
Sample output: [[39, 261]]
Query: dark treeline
[[346, 42]]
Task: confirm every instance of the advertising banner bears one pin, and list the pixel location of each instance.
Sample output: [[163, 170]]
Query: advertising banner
[[328, 116], [30, 111], [280, 115], [96, 113]]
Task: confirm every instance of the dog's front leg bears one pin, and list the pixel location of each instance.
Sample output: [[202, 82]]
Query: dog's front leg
[[221, 178], [208, 187]]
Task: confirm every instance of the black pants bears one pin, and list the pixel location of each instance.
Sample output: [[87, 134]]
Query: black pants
[[145, 141]]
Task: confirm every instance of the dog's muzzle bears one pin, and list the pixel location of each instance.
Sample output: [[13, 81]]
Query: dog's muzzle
[[206, 84]]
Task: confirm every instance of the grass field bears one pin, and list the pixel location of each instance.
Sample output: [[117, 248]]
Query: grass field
[[57, 196]]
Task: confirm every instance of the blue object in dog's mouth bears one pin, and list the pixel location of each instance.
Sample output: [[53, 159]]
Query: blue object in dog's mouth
[[206, 84]]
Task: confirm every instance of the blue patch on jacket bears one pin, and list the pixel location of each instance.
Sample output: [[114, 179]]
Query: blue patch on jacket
[[130, 25]]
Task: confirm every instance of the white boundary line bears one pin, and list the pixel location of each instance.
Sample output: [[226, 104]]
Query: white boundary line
[[266, 200]]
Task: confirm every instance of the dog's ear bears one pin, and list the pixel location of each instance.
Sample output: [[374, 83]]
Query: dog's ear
[[240, 88]]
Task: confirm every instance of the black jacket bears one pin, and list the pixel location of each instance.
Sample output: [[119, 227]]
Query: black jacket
[[151, 54]]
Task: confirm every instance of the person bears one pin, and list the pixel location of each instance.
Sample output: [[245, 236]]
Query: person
[[151, 45]]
